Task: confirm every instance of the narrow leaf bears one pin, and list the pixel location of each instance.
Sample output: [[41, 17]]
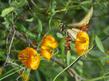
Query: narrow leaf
[[59, 35], [6, 11], [68, 57], [99, 44], [39, 29]]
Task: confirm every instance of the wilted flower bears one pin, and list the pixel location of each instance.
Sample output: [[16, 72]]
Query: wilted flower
[[82, 42], [48, 44], [30, 58]]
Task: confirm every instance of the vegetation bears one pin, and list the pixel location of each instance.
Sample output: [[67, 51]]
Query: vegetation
[[40, 40]]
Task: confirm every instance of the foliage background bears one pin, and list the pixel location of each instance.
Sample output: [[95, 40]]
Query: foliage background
[[32, 19]]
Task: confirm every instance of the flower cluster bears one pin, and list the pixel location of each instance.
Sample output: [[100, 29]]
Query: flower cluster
[[31, 59]]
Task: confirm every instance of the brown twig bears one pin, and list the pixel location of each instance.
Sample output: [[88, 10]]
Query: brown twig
[[9, 48], [24, 39]]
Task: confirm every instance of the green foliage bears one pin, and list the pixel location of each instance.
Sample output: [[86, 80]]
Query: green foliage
[[7, 11], [99, 44], [33, 19]]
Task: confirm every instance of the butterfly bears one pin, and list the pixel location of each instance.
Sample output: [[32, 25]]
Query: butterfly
[[77, 27], [80, 26]]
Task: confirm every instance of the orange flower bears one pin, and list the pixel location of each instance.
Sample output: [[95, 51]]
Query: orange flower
[[46, 53], [30, 58], [48, 43], [82, 42]]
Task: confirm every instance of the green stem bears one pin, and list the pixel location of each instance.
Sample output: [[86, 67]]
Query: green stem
[[98, 78], [9, 74], [71, 64], [66, 68], [9, 71]]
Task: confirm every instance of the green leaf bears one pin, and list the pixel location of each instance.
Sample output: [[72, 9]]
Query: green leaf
[[68, 57], [19, 4], [31, 35], [85, 2], [92, 39], [62, 45], [6, 11], [99, 44], [106, 30], [59, 35], [29, 20], [39, 28]]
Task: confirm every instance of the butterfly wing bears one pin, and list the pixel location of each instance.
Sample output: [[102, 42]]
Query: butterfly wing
[[84, 21], [72, 33]]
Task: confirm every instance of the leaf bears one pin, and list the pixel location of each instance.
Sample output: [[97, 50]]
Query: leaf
[[39, 28], [6, 11], [31, 35], [59, 35], [29, 20], [21, 27], [68, 57], [106, 30], [62, 45], [37, 76], [53, 6], [85, 2], [92, 38], [19, 4], [99, 44]]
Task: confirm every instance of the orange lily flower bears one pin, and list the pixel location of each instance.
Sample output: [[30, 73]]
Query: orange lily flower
[[47, 53], [82, 42], [48, 43], [30, 58]]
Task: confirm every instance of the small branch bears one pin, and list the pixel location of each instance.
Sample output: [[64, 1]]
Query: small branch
[[66, 68], [23, 38], [11, 74], [71, 71], [9, 49]]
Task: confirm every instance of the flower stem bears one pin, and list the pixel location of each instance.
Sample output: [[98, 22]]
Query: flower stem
[[9, 74], [66, 68]]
